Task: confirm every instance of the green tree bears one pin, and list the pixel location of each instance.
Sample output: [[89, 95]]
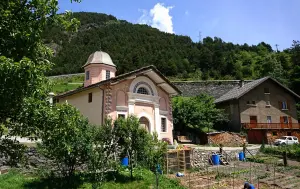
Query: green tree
[[102, 157], [133, 139], [24, 58], [196, 112], [66, 138], [295, 73]]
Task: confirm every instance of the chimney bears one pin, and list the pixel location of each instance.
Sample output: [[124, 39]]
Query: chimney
[[242, 83]]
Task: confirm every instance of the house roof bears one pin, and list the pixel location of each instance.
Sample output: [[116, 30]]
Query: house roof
[[149, 71], [238, 91]]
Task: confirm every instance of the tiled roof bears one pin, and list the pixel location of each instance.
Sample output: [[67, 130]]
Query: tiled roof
[[239, 91]]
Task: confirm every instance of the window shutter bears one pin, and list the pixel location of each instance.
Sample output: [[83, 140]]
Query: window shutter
[[281, 119], [288, 105], [280, 105], [290, 119]]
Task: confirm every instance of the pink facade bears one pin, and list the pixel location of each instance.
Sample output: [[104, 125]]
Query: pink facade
[[144, 93], [153, 108]]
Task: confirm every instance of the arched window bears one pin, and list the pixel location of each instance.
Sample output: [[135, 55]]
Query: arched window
[[143, 90]]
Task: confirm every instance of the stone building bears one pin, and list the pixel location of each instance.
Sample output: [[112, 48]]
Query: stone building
[[264, 107], [145, 93]]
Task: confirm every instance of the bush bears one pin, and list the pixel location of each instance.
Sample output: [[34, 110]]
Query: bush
[[103, 154], [66, 139]]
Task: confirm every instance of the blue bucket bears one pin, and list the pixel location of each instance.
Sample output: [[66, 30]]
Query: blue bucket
[[241, 156], [216, 159], [124, 161]]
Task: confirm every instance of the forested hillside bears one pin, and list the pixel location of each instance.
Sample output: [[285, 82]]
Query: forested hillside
[[132, 46]]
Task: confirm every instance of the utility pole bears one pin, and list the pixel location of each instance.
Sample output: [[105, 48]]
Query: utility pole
[[276, 45], [200, 36]]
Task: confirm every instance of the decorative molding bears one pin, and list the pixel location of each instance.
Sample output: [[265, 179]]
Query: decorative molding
[[121, 108], [135, 97], [143, 83], [162, 112]]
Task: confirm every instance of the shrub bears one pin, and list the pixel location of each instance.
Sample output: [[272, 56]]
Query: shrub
[[103, 154], [66, 139]]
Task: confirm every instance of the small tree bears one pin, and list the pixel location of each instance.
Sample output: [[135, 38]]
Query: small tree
[[102, 157], [197, 112], [132, 138], [66, 139]]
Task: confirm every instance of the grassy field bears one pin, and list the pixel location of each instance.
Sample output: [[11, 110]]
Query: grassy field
[[61, 85], [144, 179]]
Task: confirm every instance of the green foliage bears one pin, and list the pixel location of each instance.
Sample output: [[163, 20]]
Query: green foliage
[[133, 139], [293, 151], [66, 138], [24, 59], [103, 154], [196, 112]]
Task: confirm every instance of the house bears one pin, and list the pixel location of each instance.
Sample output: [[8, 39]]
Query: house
[[145, 93], [264, 107]]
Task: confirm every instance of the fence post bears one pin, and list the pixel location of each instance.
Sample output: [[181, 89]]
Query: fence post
[[285, 158]]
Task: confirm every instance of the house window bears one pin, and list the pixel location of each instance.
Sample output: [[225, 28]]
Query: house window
[[87, 75], [251, 102], [163, 124], [107, 74], [269, 119], [274, 133], [285, 119], [267, 90], [90, 97], [121, 116], [143, 90], [284, 105]]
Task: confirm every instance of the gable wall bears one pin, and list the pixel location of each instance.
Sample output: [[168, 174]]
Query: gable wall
[[277, 93], [93, 110]]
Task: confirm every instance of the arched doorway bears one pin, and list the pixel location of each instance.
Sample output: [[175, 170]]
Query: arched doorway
[[144, 123]]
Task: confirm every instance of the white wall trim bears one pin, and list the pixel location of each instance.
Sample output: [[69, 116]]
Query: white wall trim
[[163, 112], [143, 79], [162, 116]]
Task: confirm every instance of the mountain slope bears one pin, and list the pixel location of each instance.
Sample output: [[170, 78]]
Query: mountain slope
[[132, 46]]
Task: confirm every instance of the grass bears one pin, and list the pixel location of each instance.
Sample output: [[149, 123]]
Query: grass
[[64, 84], [143, 179]]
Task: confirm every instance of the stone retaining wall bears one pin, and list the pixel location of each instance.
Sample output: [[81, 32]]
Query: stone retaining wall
[[200, 157]]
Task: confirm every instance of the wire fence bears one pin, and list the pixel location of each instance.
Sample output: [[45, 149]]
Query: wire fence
[[268, 174]]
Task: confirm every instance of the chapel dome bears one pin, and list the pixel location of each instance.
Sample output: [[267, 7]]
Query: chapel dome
[[100, 57]]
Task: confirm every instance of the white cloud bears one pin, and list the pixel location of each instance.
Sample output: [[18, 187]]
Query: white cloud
[[158, 17]]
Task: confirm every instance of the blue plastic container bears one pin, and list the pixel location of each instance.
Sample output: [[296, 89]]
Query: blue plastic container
[[241, 156], [216, 159], [124, 161]]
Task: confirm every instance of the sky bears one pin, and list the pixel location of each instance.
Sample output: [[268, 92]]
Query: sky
[[236, 21]]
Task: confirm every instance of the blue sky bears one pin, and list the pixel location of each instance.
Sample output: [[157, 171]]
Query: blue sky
[[237, 21]]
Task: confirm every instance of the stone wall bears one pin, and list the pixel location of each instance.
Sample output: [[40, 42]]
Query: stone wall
[[215, 88], [199, 157], [32, 160]]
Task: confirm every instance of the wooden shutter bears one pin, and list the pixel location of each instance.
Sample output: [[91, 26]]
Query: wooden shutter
[[281, 119], [279, 105], [290, 119]]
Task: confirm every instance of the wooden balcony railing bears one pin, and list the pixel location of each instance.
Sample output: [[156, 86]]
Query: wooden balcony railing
[[271, 125]]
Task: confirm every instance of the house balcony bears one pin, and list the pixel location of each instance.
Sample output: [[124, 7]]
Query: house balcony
[[271, 125]]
